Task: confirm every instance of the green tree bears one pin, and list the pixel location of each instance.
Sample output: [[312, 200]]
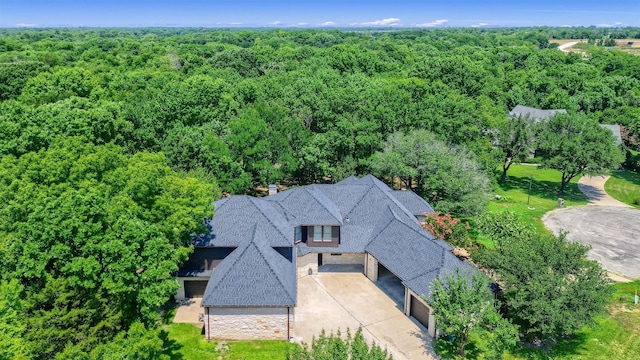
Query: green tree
[[516, 138], [335, 346], [94, 236], [576, 145], [12, 328], [448, 177], [549, 286], [463, 303]]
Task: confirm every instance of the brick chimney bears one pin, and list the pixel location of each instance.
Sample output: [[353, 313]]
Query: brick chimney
[[273, 189]]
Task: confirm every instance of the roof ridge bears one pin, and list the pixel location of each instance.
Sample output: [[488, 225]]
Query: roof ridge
[[316, 191], [361, 198], [423, 274], [270, 266], [253, 201], [235, 261]]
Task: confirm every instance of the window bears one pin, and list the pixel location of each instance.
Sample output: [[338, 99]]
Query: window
[[322, 233], [298, 234]]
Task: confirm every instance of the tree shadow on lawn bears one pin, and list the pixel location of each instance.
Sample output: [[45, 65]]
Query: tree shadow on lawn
[[171, 347], [626, 175], [543, 189], [563, 347]]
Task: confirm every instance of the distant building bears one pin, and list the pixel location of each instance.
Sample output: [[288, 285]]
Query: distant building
[[534, 114], [615, 129]]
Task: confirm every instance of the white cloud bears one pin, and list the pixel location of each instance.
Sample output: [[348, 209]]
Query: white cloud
[[235, 23], [277, 22], [302, 24], [433, 23], [383, 22], [327, 23], [480, 24], [26, 25], [617, 23]]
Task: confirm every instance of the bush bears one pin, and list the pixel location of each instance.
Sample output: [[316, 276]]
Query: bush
[[632, 161], [448, 228]]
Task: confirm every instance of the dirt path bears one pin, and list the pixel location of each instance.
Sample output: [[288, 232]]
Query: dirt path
[[565, 47], [593, 187]]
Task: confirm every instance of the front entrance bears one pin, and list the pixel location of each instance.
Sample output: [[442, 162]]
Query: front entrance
[[419, 311], [194, 288]]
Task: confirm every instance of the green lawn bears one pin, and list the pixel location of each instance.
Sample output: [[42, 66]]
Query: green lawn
[[186, 342], [615, 335], [544, 193], [624, 186]]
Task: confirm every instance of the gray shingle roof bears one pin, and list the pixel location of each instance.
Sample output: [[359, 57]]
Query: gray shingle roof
[[236, 215], [533, 113], [413, 255], [413, 202], [615, 129], [253, 275], [308, 206], [372, 218]]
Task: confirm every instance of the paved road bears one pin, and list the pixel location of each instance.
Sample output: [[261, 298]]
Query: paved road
[[610, 227], [593, 187], [612, 232], [333, 301]]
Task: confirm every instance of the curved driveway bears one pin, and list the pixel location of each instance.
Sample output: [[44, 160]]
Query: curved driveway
[[611, 228]]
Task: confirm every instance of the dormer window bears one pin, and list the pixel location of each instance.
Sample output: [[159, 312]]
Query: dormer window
[[321, 233]]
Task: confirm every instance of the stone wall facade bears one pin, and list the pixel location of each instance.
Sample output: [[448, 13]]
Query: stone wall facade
[[343, 258], [371, 267], [306, 262], [248, 323]]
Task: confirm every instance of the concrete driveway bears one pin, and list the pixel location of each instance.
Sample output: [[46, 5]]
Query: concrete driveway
[[337, 301], [612, 232]]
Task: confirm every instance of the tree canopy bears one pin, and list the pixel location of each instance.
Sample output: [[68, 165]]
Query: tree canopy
[[447, 176], [575, 145], [93, 235], [549, 286]]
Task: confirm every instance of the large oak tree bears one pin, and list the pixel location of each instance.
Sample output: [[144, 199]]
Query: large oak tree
[[93, 235]]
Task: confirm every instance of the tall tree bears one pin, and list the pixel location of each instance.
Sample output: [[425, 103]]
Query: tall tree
[[549, 286], [448, 177], [463, 303], [575, 145], [516, 138], [94, 235]]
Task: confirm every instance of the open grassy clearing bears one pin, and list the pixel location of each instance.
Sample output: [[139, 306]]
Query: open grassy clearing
[[624, 186], [544, 193]]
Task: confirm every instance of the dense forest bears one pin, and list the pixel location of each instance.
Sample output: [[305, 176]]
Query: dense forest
[[112, 137]]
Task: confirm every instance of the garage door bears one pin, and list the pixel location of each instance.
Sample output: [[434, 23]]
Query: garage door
[[194, 288], [420, 311]]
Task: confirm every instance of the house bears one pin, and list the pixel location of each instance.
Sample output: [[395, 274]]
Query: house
[[615, 129], [246, 267], [535, 115]]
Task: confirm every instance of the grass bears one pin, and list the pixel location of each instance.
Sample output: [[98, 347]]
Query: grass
[[544, 193], [186, 342], [615, 335], [624, 186]]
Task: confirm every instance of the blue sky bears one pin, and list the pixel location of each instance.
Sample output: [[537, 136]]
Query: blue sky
[[318, 13]]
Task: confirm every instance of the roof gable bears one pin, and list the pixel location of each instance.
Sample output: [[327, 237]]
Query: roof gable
[[234, 218], [253, 275]]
